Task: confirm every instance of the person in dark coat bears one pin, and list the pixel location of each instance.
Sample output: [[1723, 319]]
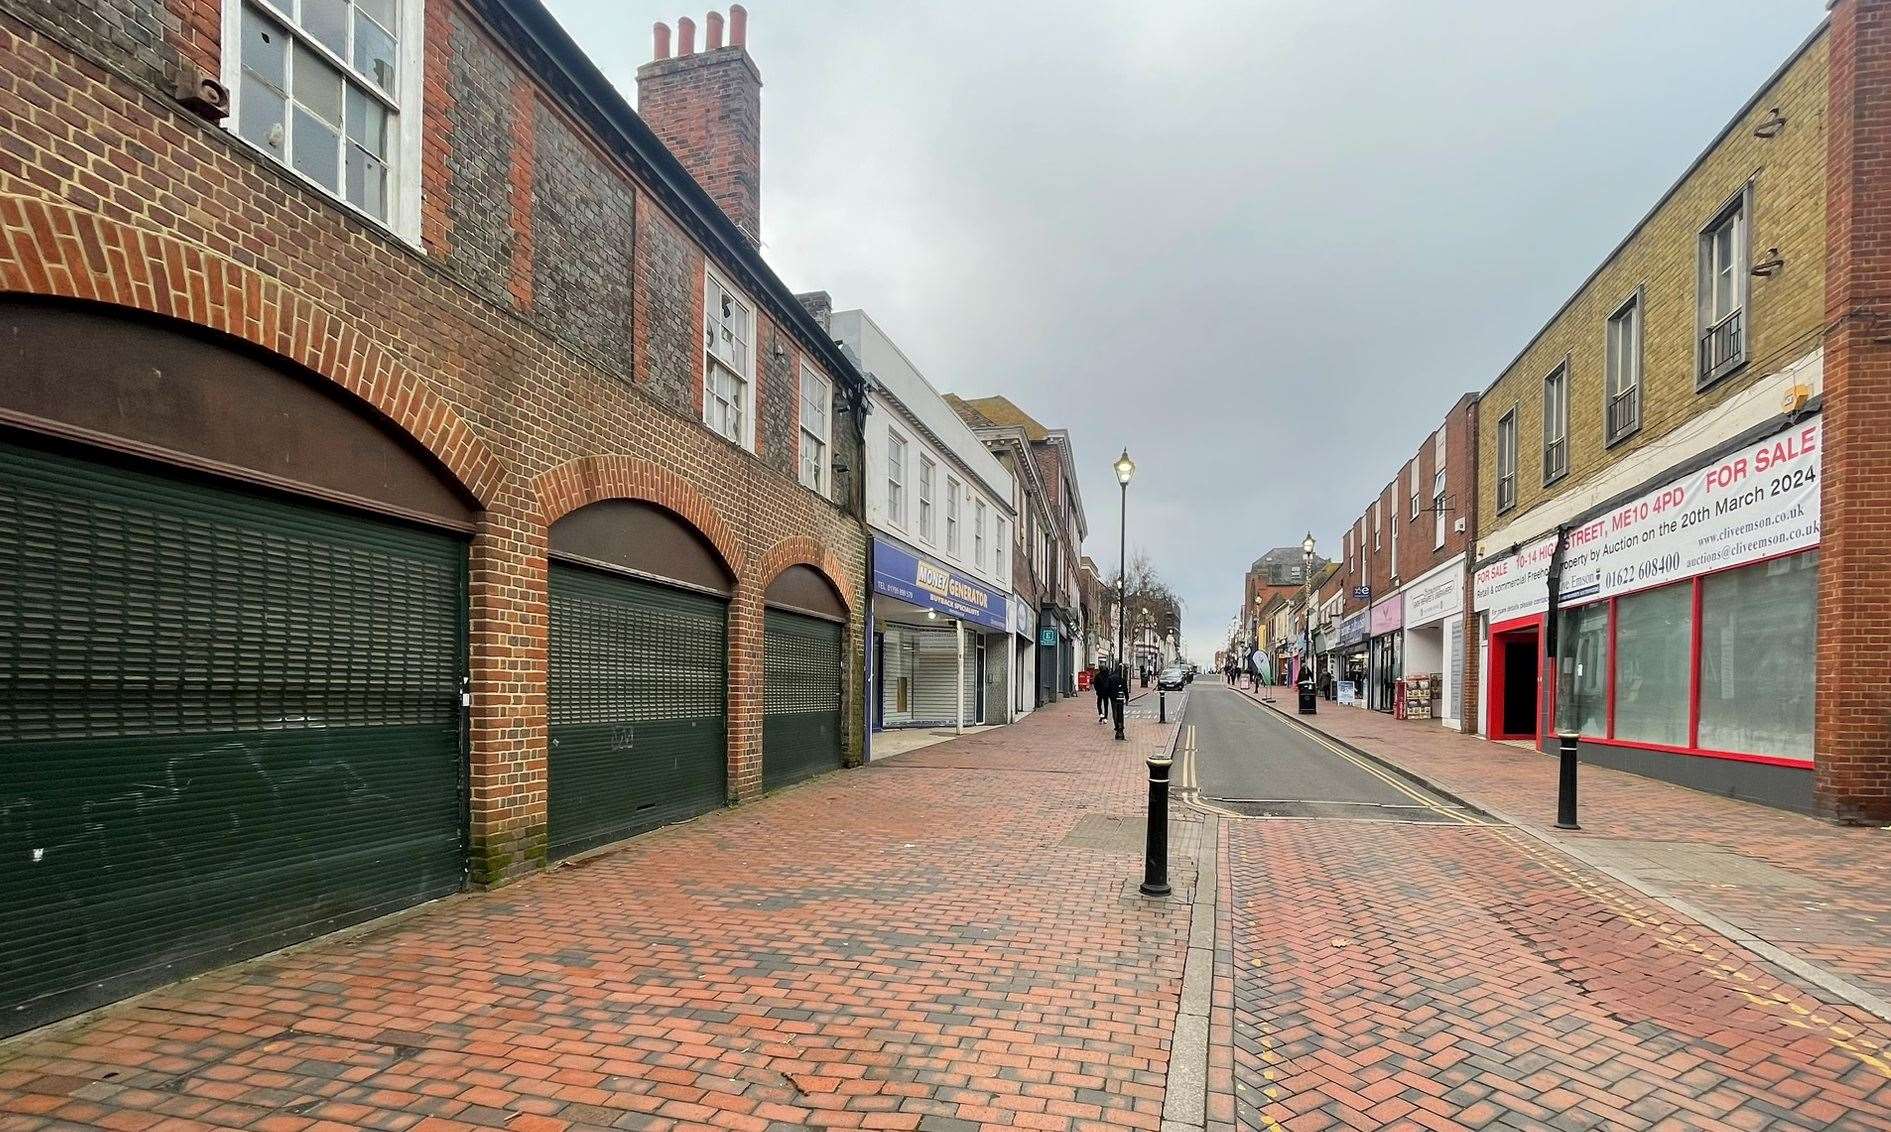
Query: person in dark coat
[[1100, 682]]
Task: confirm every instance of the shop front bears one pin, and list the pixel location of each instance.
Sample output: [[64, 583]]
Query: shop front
[[1386, 654], [1434, 638], [1349, 657], [1024, 658], [939, 637], [1687, 623], [1324, 642]]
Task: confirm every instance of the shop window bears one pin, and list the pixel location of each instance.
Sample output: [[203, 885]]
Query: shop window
[[1757, 635], [1582, 686], [1653, 633]]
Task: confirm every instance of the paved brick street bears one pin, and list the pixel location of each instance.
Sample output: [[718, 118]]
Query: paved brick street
[[1817, 891], [940, 941]]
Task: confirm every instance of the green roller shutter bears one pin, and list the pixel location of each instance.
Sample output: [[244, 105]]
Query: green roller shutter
[[801, 697], [227, 721], [639, 706]]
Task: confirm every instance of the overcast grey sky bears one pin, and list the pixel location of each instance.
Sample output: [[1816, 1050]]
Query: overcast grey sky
[[1265, 245]]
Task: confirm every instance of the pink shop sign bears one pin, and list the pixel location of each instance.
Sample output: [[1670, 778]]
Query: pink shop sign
[[1388, 614]]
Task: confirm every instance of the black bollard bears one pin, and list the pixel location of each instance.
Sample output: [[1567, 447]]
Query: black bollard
[[1155, 854], [1116, 709], [1162, 706], [1566, 781]]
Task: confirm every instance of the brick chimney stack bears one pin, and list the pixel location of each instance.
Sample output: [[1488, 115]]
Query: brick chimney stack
[[707, 108]]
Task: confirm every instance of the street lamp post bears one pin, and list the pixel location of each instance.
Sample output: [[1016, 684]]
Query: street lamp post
[[1125, 468], [1306, 690]]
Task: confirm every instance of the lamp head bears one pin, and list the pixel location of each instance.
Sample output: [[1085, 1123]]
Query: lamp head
[[1125, 467], [1306, 545]]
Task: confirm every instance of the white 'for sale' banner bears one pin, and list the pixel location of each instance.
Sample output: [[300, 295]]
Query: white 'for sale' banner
[[1759, 502]]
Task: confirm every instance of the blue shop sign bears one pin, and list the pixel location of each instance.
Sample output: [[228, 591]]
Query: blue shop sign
[[899, 573], [1047, 638], [1354, 629]]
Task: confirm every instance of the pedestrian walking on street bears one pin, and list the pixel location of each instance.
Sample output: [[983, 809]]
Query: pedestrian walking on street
[[1101, 682]]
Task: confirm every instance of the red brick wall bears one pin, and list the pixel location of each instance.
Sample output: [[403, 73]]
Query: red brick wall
[[1852, 725], [191, 225], [707, 108]]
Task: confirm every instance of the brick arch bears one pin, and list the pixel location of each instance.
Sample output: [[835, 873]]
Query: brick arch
[[804, 551], [592, 479], [64, 252]]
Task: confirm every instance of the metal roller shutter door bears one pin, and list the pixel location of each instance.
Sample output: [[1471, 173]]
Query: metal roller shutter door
[[800, 697], [227, 721], [639, 706]]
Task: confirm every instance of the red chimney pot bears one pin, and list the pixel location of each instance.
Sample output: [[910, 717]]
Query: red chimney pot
[[686, 36], [714, 36], [662, 33], [738, 25]]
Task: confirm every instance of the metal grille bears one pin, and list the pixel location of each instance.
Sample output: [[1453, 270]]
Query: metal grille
[[1624, 412], [1723, 347], [227, 721], [638, 706], [801, 697]]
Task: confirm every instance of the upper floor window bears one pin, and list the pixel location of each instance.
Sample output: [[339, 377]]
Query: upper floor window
[[1722, 329], [1507, 460], [1622, 411], [320, 85], [1414, 489], [728, 362], [927, 475], [817, 399], [952, 516], [896, 479], [978, 533], [1556, 424], [1376, 543], [998, 549], [1438, 509]]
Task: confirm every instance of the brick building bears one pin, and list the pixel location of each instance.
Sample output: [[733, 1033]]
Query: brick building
[[1399, 604], [1700, 522], [1052, 518], [406, 479]]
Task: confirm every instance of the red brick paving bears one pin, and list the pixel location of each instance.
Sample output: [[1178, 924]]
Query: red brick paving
[[1835, 912], [909, 946], [1438, 977]]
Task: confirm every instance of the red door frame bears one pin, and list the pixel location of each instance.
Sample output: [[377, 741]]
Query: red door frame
[[1493, 723]]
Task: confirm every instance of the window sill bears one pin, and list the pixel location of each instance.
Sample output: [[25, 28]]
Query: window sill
[[1611, 441], [1557, 478]]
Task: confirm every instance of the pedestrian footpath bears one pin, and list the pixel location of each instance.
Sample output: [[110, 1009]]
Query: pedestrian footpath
[[945, 940], [1818, 893]]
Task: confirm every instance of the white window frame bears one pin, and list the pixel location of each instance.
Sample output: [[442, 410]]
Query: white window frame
[[952, 516], [978, 533], [1438, 508], [1737, 215], [1556, 423], [896, 479], [998, 550], [711, 362], [1623, 365], [1377, 539], [814, 464], [928, 480], [403, 166], [1507, 460]]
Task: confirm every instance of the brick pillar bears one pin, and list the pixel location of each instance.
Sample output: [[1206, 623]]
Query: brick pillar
[[707, 108], [1852, 731], [508, 629], [745, 689]]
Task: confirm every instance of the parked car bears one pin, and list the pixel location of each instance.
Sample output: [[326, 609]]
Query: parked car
[[1171, 679]]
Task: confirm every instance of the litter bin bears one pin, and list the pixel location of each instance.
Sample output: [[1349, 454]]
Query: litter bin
[[1309, 700]]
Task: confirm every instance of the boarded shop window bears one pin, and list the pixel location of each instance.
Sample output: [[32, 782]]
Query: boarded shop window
[[1757, 633], [1652, 670], [1582, 688]]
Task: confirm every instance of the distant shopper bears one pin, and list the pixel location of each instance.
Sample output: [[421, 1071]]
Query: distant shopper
[[1101, 682]]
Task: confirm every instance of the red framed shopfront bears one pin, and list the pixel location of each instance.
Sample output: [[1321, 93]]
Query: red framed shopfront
[[1502, 682], [1692, 748]]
